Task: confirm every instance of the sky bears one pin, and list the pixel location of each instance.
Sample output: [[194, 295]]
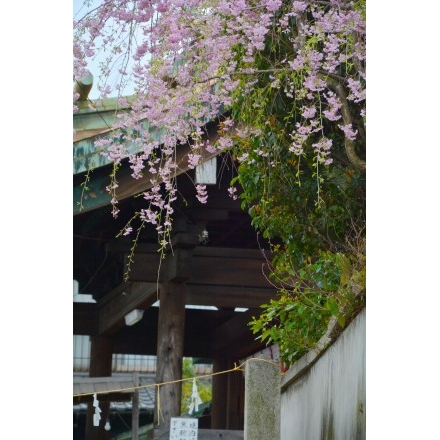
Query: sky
[[79, 10]]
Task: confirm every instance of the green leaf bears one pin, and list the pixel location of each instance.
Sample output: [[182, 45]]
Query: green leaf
[[332, 306], [341, 320]]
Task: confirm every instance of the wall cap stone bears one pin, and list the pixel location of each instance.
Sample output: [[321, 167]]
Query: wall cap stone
[[302, 365]]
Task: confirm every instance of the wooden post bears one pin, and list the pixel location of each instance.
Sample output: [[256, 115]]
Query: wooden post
[[171, 327], [227, 397], [100, 365], [219, 394], [235, 407], [171, 330], [135, 409]]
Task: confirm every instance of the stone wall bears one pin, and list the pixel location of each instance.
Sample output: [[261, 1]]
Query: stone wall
[[323, 394]]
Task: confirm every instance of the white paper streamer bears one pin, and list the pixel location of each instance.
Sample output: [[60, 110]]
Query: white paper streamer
[[97, 415], [195, 398]]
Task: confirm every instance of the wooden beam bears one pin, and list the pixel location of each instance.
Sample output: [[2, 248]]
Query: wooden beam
[[210, 266], [234, 339], [122, 300], [228, 296], [111, 317], [145, 268], [226, 271], [178, 265], [207, 213], [118, 246]]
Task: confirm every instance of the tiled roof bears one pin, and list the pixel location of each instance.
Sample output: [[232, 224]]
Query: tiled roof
[[82, 384], [79, 135]]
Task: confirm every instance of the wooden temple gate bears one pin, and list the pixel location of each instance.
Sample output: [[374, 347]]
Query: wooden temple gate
[[227, 269]]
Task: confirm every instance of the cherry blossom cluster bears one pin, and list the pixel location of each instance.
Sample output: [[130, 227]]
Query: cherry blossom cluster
[[190, 59]]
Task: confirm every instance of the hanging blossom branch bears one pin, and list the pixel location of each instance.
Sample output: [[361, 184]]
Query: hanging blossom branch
[[180, 47]]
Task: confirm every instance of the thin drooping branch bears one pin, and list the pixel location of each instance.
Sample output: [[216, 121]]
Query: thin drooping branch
[[340, 6], [258, 71], [252, 72]]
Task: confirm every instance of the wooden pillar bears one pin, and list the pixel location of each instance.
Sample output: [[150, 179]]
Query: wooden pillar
[[219, 394], [235, 405], [135, 409], [227, 397], [100, 365], [171, 328]]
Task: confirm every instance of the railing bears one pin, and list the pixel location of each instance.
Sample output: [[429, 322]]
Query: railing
[[121, 363]]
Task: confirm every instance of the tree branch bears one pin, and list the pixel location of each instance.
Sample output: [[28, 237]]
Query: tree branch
[[350, 150], [358, 65]]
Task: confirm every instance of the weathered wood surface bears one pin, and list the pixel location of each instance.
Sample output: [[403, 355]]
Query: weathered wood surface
[[121, 301], [209, 266], [170, 339], [220, 393], [135, 410]]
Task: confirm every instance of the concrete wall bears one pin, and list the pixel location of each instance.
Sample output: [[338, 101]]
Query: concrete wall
[[323, 394]]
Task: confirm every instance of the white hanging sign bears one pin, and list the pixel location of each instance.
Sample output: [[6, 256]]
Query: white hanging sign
[[183, 428], [206, 172]]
